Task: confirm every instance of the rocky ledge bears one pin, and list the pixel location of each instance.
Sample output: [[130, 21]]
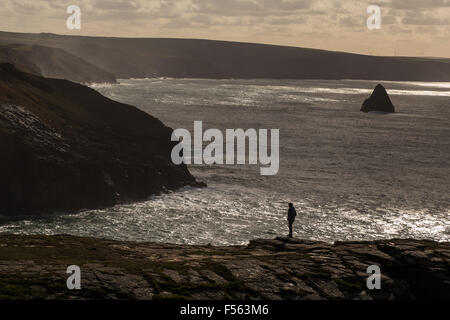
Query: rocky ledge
[[34, 267]]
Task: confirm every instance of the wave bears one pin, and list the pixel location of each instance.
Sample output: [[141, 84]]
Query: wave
[[262, 88], [358, 91], [438, 85]]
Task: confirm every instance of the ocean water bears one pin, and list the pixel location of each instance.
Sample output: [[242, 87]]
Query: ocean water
[[351, 176]]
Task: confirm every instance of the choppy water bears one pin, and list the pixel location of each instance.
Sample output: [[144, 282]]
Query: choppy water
[[352, 176]]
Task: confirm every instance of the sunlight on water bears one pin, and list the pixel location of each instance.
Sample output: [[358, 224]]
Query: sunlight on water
[[221, 216], [438, 85], [253, 91], [352, 176]]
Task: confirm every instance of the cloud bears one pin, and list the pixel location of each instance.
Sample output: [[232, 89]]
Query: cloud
[[425, 19], [251, 7], [419, 4]]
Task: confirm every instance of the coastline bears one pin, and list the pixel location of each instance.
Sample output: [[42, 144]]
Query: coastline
[[34, 267], [68, 148]]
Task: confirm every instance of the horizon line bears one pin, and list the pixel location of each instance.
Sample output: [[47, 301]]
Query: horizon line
[[221, 40]]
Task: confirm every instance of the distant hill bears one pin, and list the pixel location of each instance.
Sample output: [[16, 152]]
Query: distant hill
[[53, 63], [186, 58], [65, 147], [10, 55]]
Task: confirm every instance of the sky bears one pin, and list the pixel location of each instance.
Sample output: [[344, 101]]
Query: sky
[[408, 27]]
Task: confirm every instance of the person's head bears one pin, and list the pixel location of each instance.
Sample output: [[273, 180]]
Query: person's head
[[291, 205]]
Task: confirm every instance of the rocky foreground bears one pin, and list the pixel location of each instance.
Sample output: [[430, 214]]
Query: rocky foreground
[[34, 267]]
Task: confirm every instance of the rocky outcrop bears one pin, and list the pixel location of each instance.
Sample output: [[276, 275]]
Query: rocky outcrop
[[378, 101], [65, 147], [35, 267], [53, 63]]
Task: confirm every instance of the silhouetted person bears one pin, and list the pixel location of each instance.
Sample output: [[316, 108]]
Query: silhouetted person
[[291, 217]]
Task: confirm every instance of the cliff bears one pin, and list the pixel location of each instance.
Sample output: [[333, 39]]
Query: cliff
[[34, 267], [191, 58], [53, 63], [66, 147]]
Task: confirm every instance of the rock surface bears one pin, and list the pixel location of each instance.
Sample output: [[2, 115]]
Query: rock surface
[[378, 101], [35, 267], [65, 147]]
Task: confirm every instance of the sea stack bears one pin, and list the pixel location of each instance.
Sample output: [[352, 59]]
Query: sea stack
[[378, 101]]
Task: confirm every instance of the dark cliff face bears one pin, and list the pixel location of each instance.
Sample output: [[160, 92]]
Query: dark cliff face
[[378, 101], [66, 147], [53, 63]]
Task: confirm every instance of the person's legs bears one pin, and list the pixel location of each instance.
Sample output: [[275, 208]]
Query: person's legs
[[290, 228]]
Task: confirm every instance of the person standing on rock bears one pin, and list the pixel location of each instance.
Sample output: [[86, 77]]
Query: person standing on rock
[[291, 218]]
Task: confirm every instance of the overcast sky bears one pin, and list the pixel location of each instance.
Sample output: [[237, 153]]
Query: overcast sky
[[409, 27]]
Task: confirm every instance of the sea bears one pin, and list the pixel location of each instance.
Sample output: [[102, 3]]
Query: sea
[[352, 176]]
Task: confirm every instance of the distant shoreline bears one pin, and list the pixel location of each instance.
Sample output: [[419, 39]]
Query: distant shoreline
[[277, 79], [103, 58]]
